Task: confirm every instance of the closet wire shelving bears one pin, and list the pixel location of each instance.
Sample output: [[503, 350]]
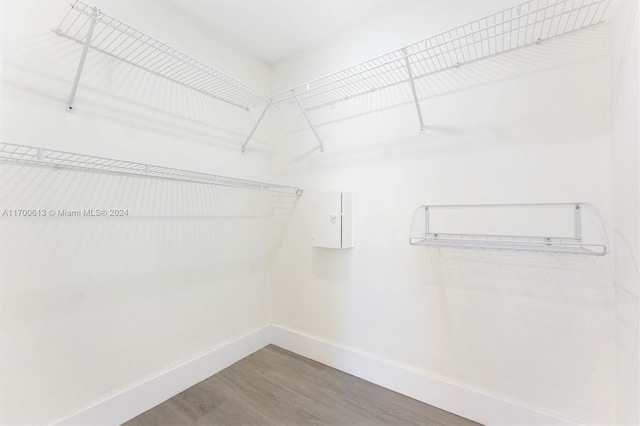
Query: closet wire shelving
[[572, 242], [530, 23], [94, 28], [23, 154]]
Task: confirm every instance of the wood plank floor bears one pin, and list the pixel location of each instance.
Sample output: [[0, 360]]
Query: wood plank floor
[[276, 387]]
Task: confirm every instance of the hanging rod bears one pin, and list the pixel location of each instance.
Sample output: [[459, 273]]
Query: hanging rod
[[13, 153], [529, 23], [97, 30], [572, 243]]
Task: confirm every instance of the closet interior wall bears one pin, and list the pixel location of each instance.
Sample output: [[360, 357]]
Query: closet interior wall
[[530, 125], [625, 134], [92, 306]]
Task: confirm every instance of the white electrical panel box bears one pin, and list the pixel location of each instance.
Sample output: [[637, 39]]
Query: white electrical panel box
[[332, 220]]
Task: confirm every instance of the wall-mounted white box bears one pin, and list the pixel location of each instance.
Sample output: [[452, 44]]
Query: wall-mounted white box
[[332, 220]]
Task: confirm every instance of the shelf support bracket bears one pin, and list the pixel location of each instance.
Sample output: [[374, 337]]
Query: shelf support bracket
[[83, 56], [306, 117], [413, 89], [264, 111], [578, 222], [426, 221]]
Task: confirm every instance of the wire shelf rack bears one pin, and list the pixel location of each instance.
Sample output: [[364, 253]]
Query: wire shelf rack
[[13, 153], [94, 28], [532, 22], [568, 244]]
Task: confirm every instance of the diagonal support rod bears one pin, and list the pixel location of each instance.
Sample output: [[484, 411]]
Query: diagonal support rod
[[413, 89], [264, 111], [85, 49], [306, 117], [578, 223]]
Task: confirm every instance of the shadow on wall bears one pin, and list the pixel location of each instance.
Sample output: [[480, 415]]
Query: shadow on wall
[[627, 302], [570, 279], [624, 16], [165, 226], [283, 207], [114, 91], [627, 351]]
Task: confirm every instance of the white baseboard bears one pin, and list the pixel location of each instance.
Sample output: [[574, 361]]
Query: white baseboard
[[472, 404], [131, 402], [419, 385]]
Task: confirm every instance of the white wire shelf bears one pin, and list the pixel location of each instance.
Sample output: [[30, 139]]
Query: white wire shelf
[[568, 244], [532, 22], [94, 28], [13, 153]]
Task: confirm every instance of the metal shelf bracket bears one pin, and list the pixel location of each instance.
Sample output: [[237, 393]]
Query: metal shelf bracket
[[264, 111], [83, 57], [306, 117], [413, 89]]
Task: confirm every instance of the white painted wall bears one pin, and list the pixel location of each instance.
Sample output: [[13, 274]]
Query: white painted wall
[[90, 307], [625, 144], [530, 126]]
